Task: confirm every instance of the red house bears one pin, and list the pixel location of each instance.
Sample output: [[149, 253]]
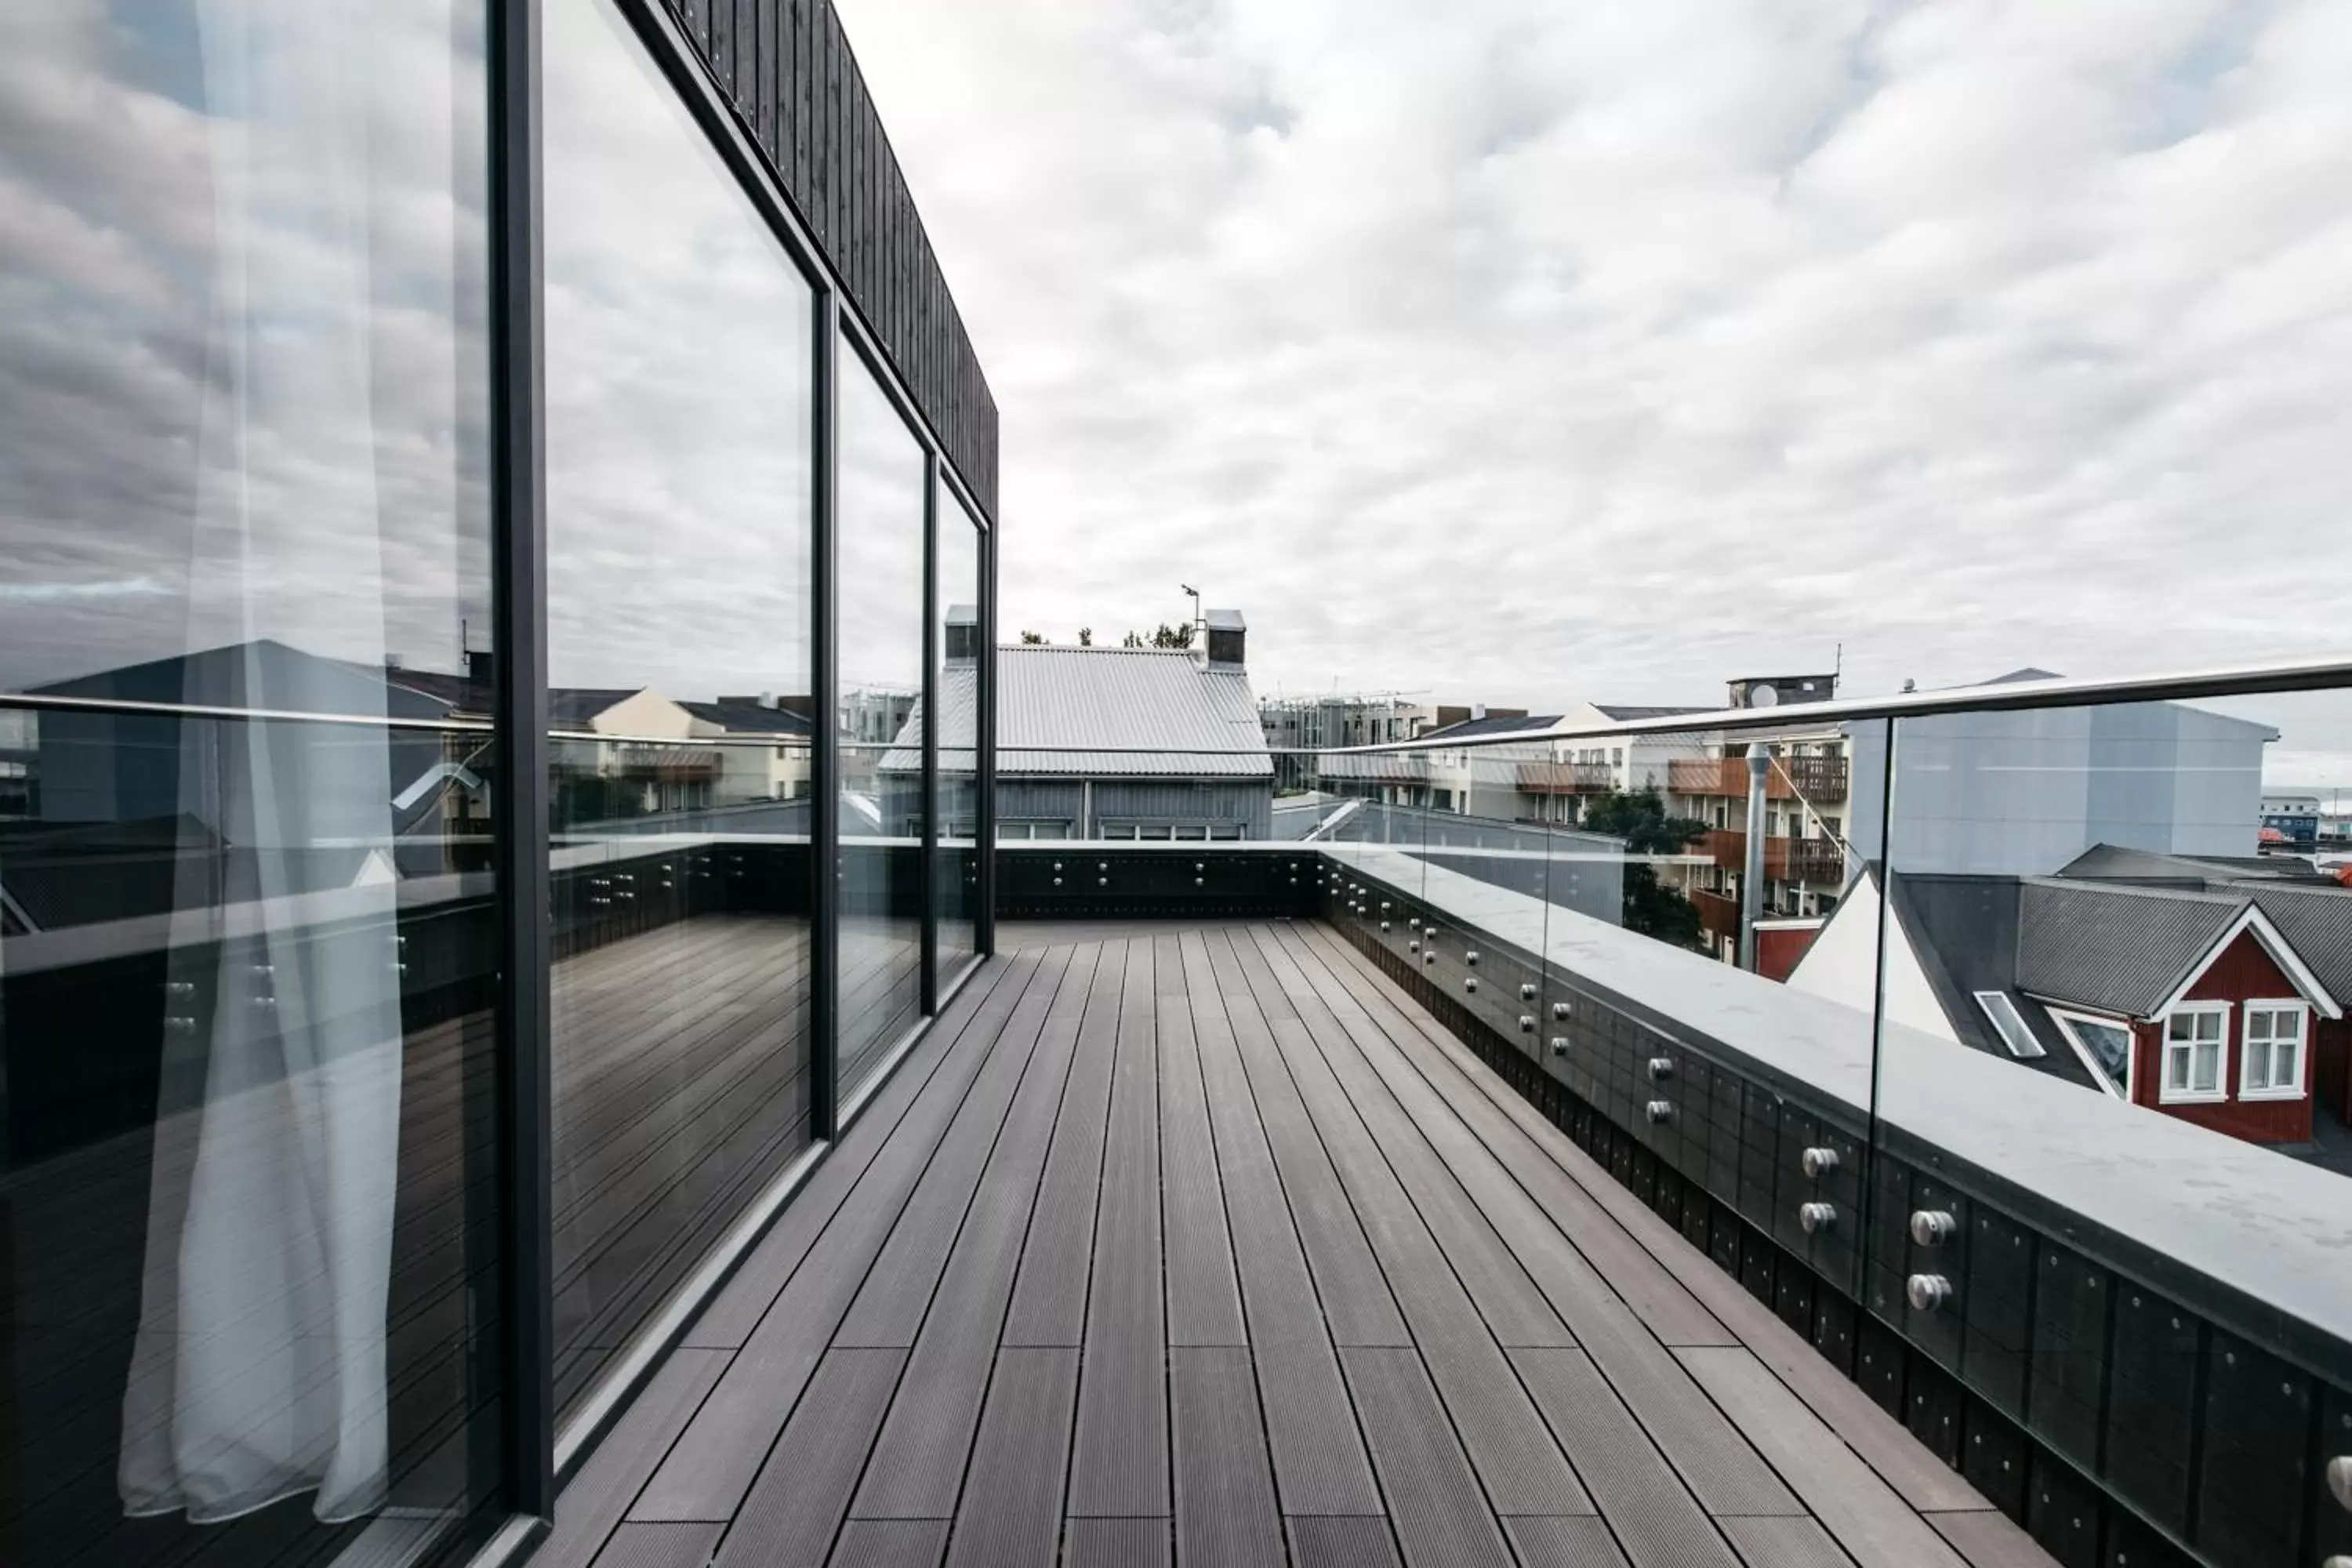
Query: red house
[[2213, 991]]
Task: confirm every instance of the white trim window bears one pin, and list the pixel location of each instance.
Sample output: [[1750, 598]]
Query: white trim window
[[2196, 1038], [2276, 1046], [2104, 1046]]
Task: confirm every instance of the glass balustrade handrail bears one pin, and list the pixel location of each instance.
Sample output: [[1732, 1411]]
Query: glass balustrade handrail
[[2245, 680]]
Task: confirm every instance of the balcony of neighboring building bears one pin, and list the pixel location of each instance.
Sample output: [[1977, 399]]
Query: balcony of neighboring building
[[1566, 778], [1812, 778], [1786, 858]]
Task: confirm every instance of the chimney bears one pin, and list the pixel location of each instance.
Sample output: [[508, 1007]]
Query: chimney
[[962, 633], [1227, 635], [1775, 690]]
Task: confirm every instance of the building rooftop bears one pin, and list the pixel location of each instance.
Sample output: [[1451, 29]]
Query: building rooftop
[[1100, 712], [741, 717], [1505, 724]]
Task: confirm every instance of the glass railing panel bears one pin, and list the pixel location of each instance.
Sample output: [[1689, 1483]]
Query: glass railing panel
[[2108, 1218], [1668, 1031], [248, 1059]]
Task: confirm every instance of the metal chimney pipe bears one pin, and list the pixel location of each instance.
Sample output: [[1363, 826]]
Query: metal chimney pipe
[[1751, 876]]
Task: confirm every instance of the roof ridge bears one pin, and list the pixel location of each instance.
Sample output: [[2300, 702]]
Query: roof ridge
[[2136, 890]]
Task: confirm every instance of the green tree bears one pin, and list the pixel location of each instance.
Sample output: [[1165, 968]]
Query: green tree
[[1086, 637], [1639, 817], [1033, 638], [1162, 636]]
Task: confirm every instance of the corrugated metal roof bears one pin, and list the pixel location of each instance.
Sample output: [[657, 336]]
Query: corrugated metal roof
[[1106, 712], [2116, 949], [2317, 924]]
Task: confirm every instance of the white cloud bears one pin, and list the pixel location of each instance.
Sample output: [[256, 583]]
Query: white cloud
[[1520, 351]]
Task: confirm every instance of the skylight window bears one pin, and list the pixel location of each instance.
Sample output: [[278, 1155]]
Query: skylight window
[[2010, 1025]]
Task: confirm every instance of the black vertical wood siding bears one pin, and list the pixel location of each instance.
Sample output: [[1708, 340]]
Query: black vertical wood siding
[[786, 69]]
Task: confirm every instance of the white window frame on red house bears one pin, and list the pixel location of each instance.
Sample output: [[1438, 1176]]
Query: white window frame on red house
[[2070, 1022], [2167, 1095], [2300, 1011]]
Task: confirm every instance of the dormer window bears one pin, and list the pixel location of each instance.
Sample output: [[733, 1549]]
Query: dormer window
[[2194, 1035], [2274, 1050]]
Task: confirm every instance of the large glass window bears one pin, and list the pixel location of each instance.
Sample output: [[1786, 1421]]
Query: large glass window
[[247, 975], [678, 660], [957, 810], [879, 554]]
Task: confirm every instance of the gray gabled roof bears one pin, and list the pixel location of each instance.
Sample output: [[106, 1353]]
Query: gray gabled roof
[[1964, 932], [1625, 713], [2316, 922], [2116, 949], [1102, 712], [2117, 863], [1535, 723], [749, 718]]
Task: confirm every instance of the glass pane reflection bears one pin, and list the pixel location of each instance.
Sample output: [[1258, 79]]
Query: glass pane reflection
[[678, 546], [957, 808], [246, 966], [880, 556]]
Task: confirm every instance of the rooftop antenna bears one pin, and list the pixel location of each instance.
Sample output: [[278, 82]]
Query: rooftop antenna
[[1837, 669], [1199, 623]]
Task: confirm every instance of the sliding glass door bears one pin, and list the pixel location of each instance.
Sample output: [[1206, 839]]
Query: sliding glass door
[[679, 676], [248, 1003]]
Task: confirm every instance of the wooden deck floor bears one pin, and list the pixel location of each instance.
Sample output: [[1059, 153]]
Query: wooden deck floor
[[1207, 1244]]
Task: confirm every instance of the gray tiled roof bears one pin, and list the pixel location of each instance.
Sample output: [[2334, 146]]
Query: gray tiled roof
[[1103, 712], [2116, 949]]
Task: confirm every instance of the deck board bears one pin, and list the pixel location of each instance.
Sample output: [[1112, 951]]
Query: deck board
[[1203, 1245]]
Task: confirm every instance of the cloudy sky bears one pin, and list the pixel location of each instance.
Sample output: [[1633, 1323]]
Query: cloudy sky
[[1524, 350]]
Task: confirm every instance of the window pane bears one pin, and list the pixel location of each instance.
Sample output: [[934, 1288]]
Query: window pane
[[880, 554], [2208, 1075], [958, 875], [679, 667], [248, 981]]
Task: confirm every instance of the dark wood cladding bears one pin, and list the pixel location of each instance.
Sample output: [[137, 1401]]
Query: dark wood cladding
[[786, 69]]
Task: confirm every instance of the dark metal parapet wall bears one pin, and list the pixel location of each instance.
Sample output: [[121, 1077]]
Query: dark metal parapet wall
[[2095, 1396], [785, 69]]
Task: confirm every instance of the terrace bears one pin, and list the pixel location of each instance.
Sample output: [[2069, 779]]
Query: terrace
[[1203, 1236]]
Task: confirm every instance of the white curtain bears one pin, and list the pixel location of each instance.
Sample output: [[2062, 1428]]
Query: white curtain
[[258, 1371]]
